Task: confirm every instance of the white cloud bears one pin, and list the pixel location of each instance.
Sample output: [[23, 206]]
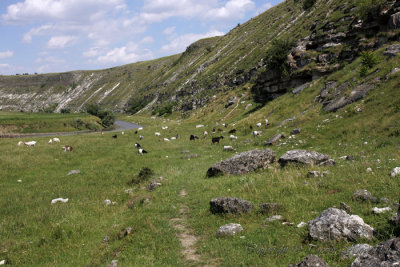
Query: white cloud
[[180, 43], [169, 30], [263, 8], [125, 54], [3, 65], [51, 59], [233, 9], [147, 40], [6, 54], [61, 41], [34, 10], [92, 52]]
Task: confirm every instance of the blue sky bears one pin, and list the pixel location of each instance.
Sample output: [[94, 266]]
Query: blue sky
[[61, 35]]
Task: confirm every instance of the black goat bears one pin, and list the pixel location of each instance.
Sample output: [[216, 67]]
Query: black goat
[[216, 139]]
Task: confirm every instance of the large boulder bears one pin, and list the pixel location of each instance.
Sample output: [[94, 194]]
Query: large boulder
[[230, 205], [356, 251], [336, 224], [303, 157], [384, 254], [243, 163], [311, 261], [394, 21]]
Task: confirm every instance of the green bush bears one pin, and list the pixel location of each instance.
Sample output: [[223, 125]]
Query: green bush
[[93, 109], [368, 61], [307, 4], [366, 7], [135, 105], [277, 56], [107, 116], [65, 110]]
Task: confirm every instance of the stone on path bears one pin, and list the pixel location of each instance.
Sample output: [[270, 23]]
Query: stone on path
[[230, 229]]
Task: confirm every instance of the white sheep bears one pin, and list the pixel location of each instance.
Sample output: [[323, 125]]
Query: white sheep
[[164, 127], [232, 137], [122, 133], [258, 124], [30, 143], [257, 133], [63, 200], [50, 141], [199, 126], [55, 139], [166, 139], [157, 134], [205, 133], [20, 143], [173, 138], [228, 148], [141, 128], [266, 122], [141, 137]]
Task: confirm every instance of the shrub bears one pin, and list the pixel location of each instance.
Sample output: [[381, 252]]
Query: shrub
[[93, 109], [135, 105], [65, 110], [366, 7], [51, 108], [107, 116], [277, 56], [144, 174], [307, 4], [368, 61]]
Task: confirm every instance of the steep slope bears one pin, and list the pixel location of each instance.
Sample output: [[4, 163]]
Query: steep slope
[[323, 38]]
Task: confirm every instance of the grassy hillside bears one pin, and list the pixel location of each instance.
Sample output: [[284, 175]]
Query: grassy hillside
[[34, 232]]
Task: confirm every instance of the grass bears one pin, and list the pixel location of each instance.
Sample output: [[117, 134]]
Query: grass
[[35, 233], [17, 122]]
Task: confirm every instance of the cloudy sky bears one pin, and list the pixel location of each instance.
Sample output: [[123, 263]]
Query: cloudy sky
[[62, 35]]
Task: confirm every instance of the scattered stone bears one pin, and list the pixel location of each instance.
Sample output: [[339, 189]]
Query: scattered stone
[[230, 229], [311, 261], [356, 250], [63, 200], [231, 101], [185, 151], [395, 172], [345, 207], [394, 71], [242, 163], [300, 88], [114, 263], [128, 191], [301, 225], [145, 201], [302, 157], [274, 139], [384, 200], [364, 195], [107, 202], [288, 223], [349, 158], [317, 173], [329, 162], [384, 254], [248, 106], [106, 239], [19, 181], [369, 170], [336, 224], [268, 208], [74, 172], [377, 210], [153, 185], [392, 50], [200, 126], [273, 218], [230, 205], [295, 131], [287, 120]]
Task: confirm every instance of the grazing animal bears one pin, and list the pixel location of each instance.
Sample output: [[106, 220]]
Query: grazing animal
[[122, 133], [232, 131], [257, 133], [216, 139], [166, 139], [213, 130], [157, 134], [141, 137], [266, 122], [50, 141], [20, 143], [251, 127], [136, 132], [232, 137], [55, 139], [205, 133], [137, 145], [30, 143], [142, 151], [102, 133], [258, 124], [173, 138], [68, 148], [141, 128], [193, 137], [164, 127], [115, 136], [219, 130]]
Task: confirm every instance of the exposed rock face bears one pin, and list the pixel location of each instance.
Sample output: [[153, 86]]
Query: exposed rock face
[[230, 229], [356, 250], [336, 224], [394, 21], [384, 254], [230, 205], [302, 157], [392, 50], [311, 261], [274, 139], [243, 163], [364, 195]]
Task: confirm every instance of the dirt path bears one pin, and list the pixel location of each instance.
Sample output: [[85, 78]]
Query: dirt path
[[187, 239]]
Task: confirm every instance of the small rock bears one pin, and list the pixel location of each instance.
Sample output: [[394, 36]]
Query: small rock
[[248, 106], [230, 205], [273, 218], [63, 200], [356, 250], [153, 185], [268, 208], [317, 173], [190, 156], [384, 200], [364, 195], [392, 50], [311, 261], [302, 157], [395, 172], [349, 158], [230, 229], [345, 207], [302, 224], [369, 170], [295, 131], [185, 151], [228, 148], [107, 202], [288, 223], [20, 181], [329, 162], [377, 210], [74, 172], [114, 263], [106, 239]]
